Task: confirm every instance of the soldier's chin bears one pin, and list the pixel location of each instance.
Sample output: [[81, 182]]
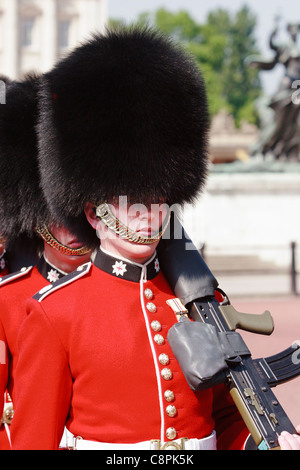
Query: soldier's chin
[[136, 252]]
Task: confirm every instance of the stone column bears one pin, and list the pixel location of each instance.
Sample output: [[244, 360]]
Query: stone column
[[12, 46], [92, 17], [49, 34]]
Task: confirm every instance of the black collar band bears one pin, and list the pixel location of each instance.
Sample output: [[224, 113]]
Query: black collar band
[[125, 269], [48, 271]]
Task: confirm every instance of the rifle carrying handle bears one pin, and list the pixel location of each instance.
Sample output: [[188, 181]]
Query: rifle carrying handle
[[261, 324]]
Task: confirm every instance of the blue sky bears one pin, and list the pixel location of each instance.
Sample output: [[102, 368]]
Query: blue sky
[[265, 10]]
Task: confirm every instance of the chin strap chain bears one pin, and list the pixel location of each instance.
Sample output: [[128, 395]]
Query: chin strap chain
[[104, 213], [47, 236]]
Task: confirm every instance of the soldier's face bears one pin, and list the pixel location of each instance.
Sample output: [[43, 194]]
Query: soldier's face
[[143, 220], [140, 219], [63, 261]]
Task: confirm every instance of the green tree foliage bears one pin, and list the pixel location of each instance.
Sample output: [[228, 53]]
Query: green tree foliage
[[220, 46], [241, 81]]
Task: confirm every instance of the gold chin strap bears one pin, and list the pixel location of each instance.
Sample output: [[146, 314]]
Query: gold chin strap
[[109, 219], [50, 240]]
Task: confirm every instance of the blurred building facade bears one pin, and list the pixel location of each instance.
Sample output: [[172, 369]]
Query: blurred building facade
[[34, 34]]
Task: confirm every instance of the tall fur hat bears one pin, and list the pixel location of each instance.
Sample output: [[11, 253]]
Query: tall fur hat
[[123, 114], [22, 204]]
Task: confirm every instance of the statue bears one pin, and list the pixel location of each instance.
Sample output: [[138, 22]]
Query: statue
[[280, 116]]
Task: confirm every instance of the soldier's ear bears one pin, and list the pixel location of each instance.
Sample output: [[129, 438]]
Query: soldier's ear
[[90, 213]]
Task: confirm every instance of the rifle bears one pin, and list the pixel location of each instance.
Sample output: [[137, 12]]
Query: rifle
[[250, 382]]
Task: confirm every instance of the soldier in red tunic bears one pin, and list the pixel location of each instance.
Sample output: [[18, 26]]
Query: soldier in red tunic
[[125, 114], [60, 252]]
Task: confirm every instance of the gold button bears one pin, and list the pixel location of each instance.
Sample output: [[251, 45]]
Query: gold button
[[155, 325], [166, 374], [164, 359], [171, 433], [8, 414], [151, 307], [159, 339], [171, 411], [169, 395], [148, 294]]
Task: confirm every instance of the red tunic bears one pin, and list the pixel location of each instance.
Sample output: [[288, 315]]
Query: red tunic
[[95, 355], [15, 289]]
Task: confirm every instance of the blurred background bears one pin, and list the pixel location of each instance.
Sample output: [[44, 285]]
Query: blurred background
[[246, 223]]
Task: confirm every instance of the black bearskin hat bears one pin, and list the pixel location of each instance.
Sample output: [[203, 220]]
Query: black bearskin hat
[[22, 204], [124, 114]]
